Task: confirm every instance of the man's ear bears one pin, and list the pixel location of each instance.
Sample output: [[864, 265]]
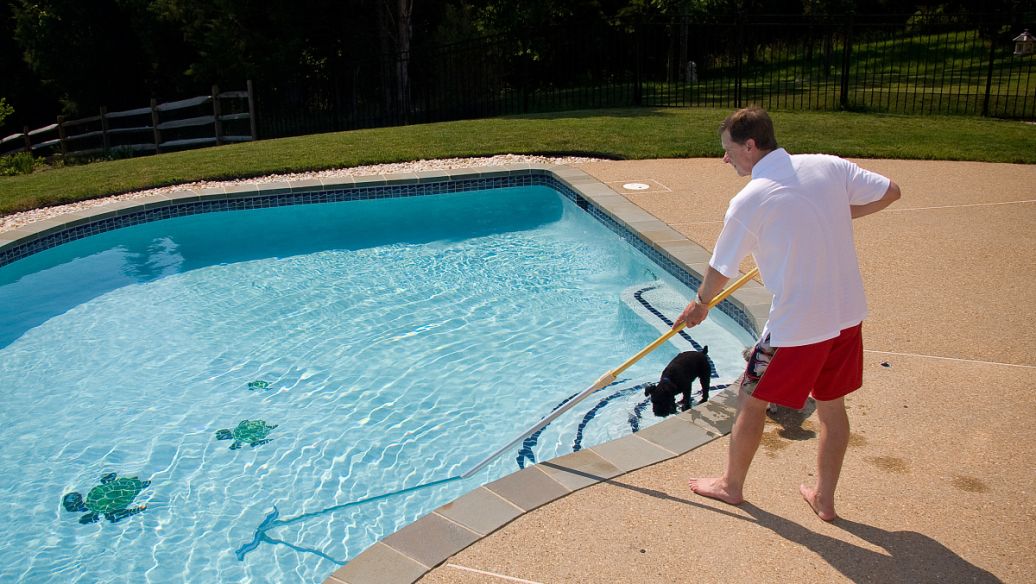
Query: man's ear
[[750, 144]]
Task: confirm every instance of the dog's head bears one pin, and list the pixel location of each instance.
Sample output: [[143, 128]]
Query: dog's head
[[663, 397]]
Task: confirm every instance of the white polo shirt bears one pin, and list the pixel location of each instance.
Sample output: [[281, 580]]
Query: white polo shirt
[[794, 218]]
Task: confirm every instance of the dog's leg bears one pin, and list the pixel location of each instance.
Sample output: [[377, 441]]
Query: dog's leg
[[687, 399]]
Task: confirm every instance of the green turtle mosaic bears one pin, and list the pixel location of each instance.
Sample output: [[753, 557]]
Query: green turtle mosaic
[[251, 432], [111, 498], [258, 385]]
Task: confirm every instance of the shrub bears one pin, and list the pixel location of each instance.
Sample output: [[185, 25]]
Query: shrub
[[18, 163]]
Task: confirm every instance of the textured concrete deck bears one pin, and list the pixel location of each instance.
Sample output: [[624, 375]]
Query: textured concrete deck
[[938, 483]]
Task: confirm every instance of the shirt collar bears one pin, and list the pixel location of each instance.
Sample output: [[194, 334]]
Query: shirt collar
[[775, 164]]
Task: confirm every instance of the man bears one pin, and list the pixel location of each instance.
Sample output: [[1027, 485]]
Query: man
[[795, 218]]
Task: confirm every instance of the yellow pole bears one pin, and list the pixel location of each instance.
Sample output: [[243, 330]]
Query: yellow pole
[[607, 378], [668, 335]]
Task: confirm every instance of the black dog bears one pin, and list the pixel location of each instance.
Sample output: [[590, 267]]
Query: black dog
[[677, 378]]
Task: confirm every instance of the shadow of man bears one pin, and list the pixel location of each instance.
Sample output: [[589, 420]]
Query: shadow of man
[[911, 557], [791, 420]]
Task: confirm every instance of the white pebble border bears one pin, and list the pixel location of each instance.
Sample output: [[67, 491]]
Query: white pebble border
[[16, 220]]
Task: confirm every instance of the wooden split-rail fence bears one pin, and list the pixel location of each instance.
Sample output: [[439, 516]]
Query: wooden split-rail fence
[[216, 119]]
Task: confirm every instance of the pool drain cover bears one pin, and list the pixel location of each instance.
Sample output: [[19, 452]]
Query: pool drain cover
[[636, 186]]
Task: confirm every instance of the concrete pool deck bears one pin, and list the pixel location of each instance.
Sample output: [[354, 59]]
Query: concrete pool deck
[[938, 483]]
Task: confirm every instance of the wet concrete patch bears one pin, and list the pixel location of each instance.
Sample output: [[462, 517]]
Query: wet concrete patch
[[969, 484], [856, 440], [787, 425], [888, 463]]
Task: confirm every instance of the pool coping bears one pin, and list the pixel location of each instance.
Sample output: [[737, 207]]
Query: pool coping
[[408, 554]]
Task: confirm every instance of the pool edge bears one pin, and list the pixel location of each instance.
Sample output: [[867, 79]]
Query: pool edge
[[411, 552], [419, 547]]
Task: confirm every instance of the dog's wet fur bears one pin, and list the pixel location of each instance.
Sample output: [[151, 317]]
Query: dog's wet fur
[[676, 379]]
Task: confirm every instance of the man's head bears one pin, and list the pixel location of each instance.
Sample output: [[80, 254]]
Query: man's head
[[747, 135]]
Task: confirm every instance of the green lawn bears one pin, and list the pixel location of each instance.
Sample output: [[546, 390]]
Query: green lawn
[[616, 133]]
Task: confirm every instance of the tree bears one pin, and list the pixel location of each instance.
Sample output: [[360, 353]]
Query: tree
[[5, 110], [81, 51], [395, 19]]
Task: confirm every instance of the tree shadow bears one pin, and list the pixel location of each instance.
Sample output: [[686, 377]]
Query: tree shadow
[[616, 112], [910, 556]]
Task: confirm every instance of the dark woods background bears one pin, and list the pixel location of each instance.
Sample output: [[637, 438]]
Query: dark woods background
[[322, 65]]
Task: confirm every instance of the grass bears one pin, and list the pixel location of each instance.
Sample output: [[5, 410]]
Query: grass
[[615, 133], [926, 73]]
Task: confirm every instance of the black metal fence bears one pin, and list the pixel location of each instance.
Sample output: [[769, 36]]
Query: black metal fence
[[911, 65]]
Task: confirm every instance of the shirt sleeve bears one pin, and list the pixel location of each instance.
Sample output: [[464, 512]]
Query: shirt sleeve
[[735, 242], [864, 186]]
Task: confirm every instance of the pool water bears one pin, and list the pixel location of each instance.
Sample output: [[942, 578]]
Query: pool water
[[371, 346]]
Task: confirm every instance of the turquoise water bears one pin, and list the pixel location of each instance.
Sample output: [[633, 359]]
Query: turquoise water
[[395, 342]]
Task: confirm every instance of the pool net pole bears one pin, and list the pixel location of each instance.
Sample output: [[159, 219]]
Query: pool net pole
[[607, 378]]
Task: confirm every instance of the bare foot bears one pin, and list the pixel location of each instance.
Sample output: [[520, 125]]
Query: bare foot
[[824, 510], [716, 489]]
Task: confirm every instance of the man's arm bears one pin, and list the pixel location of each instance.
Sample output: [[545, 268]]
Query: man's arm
[[891, 195], [696, 312]]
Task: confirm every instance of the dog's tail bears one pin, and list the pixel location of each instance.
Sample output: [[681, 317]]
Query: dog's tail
[[705, 350]]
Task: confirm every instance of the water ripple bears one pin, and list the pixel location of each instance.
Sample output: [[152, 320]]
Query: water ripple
[[390, 365]]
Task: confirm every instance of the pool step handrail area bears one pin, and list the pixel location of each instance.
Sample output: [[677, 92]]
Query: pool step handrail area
[[606, 379]]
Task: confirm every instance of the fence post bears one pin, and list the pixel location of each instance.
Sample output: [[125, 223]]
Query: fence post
[[105, 139], [61, 136], [989, 71], [683, 71], [251, 111], [154, 125], [738, 71], [638, 87], [847, 49], [215, 115], [28, 140], [526, 83]]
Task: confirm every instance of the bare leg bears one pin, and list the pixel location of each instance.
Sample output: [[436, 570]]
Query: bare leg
[[744, 441], [834, 439]]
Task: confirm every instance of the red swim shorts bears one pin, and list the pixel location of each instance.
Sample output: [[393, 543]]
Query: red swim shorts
[[788, 375]]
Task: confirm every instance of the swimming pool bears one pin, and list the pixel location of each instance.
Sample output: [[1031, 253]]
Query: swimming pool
[[371, 345]]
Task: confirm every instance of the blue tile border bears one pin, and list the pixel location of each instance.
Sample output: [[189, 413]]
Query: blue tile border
[[639, 297], [382, 188], [690, 280], [230, 202]]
